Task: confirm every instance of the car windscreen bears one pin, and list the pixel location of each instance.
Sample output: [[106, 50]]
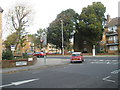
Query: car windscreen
[[75, 54]]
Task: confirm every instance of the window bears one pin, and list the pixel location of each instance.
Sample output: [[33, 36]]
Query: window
[[113, 38], [113, 48], [114, 28], [75, 54]]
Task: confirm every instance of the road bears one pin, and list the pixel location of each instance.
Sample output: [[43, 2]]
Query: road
[[94, 72]]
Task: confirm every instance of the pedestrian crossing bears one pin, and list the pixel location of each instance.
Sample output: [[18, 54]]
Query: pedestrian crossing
[[101, 61]]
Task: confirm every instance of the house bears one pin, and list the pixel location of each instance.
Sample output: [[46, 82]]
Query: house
[[28, 48], [51, 49], [112, 36], [1, 10]]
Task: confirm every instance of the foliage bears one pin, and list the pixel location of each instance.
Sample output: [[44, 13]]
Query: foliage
[[55, 31], [10, 40], [90, 25], [39, 37], [25, 55], [90, 22], [102, 51], [7, 55]]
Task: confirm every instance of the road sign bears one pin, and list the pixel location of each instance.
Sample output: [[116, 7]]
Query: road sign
[[12, 48]]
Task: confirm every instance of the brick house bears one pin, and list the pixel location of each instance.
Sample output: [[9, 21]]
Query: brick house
[[28, 48], [112, 36], [1, 10], [31, 48]]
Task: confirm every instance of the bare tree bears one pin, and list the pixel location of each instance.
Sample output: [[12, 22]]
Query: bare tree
[[18, 19]]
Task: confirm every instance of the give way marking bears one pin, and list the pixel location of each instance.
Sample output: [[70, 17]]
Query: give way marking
[[113, 72], [106, 79], [19, 83]]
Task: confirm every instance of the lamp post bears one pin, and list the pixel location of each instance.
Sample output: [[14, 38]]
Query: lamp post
[[62, 37]]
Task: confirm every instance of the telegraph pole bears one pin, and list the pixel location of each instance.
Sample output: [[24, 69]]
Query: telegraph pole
[[62, 37]]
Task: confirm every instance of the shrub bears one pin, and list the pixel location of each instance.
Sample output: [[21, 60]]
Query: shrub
[[102, 51], [7, 55], [119, 51], [25, 55]]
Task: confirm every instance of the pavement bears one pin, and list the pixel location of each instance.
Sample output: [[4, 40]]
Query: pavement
[[41, 63]]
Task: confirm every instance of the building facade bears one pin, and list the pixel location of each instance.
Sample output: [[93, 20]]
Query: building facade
[[1, 10], [28, 48], [112, 36]]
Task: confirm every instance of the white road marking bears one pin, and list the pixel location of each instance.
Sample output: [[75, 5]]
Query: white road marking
[[115, 60], [101, 60], [6, 85], [108, 62], [106, 79], [116, 71], [19, 82]]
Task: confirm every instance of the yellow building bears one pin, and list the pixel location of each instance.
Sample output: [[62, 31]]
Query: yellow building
[[1, 10], [52, 49], [28, 48], [31, 48]]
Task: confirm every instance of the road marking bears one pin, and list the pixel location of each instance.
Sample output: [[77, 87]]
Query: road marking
[[116, 71], [19, 82], [108, 62], [106, 79], [101, 60]]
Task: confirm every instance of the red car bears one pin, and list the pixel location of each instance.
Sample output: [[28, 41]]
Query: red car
[[39, 54], [76, 57]]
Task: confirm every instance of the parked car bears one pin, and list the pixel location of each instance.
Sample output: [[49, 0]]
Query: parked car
[[76, 57], [39, 54], [29, 53]]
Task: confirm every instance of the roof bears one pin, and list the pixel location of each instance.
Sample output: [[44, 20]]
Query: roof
[[1, 10], [113, 22]]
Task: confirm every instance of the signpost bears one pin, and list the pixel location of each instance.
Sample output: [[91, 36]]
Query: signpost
[[12, 49], [21, 63]]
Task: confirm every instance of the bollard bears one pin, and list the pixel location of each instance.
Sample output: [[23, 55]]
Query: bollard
[[44, 59]]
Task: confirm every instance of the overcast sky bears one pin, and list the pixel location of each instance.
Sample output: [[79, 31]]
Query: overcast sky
[[47, 10]]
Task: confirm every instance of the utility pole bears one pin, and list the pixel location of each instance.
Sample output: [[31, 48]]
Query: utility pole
[[1, 10], [62, 37]]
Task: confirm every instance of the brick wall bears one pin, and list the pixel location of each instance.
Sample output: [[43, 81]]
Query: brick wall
[[12, 63]]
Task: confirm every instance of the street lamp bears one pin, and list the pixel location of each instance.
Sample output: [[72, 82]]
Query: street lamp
[[62, 37]]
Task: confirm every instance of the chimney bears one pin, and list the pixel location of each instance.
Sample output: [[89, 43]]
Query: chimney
[[108, 18]]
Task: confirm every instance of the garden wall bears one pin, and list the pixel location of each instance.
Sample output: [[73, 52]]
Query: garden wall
[[18, 63]]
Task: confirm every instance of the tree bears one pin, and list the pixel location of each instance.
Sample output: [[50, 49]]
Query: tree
[[90, 25], [38, 37], [10, 40], [18, 19], [54, 30]]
